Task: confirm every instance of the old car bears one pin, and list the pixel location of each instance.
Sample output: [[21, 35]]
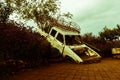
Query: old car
[[116, 53], [69, 44]]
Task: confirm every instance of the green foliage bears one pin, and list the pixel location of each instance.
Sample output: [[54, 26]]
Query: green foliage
[[106, 40], [89, 38], [38, 10], [5, 11], [110, 34], [68, 15], [19, 43], [97, 44]]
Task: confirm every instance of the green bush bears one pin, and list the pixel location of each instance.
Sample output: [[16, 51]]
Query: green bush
[[104, 46], [21, 44]]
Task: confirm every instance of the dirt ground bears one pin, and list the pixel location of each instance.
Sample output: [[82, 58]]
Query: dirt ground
[[107, 69]]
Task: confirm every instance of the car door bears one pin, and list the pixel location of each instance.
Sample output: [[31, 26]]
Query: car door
[[59, 42]]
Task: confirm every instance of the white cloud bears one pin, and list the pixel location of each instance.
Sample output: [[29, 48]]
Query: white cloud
[[93, 15], [74, 6]]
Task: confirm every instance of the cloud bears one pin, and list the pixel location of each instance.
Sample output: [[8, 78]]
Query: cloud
[[74, 6], [95, 18]]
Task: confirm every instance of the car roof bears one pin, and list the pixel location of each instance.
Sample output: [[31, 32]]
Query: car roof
[[64, 31]]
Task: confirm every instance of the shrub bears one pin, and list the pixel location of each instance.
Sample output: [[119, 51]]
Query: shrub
[[104, 46], [21, 44]]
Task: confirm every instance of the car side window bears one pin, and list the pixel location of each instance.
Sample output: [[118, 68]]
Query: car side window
[[53, 33], [60, 37]]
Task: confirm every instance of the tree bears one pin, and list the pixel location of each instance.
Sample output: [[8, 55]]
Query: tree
[[109, 34], [68, 15], [37, 10], [88, 37], [62, 17], [118, 30], [5, 11]]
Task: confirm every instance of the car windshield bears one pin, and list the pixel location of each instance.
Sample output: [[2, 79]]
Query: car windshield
[[72, 39]]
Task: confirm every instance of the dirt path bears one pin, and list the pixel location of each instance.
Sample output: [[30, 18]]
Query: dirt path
[[107, 69]]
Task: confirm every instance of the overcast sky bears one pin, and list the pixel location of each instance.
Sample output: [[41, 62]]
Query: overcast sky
[[93, 15]]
